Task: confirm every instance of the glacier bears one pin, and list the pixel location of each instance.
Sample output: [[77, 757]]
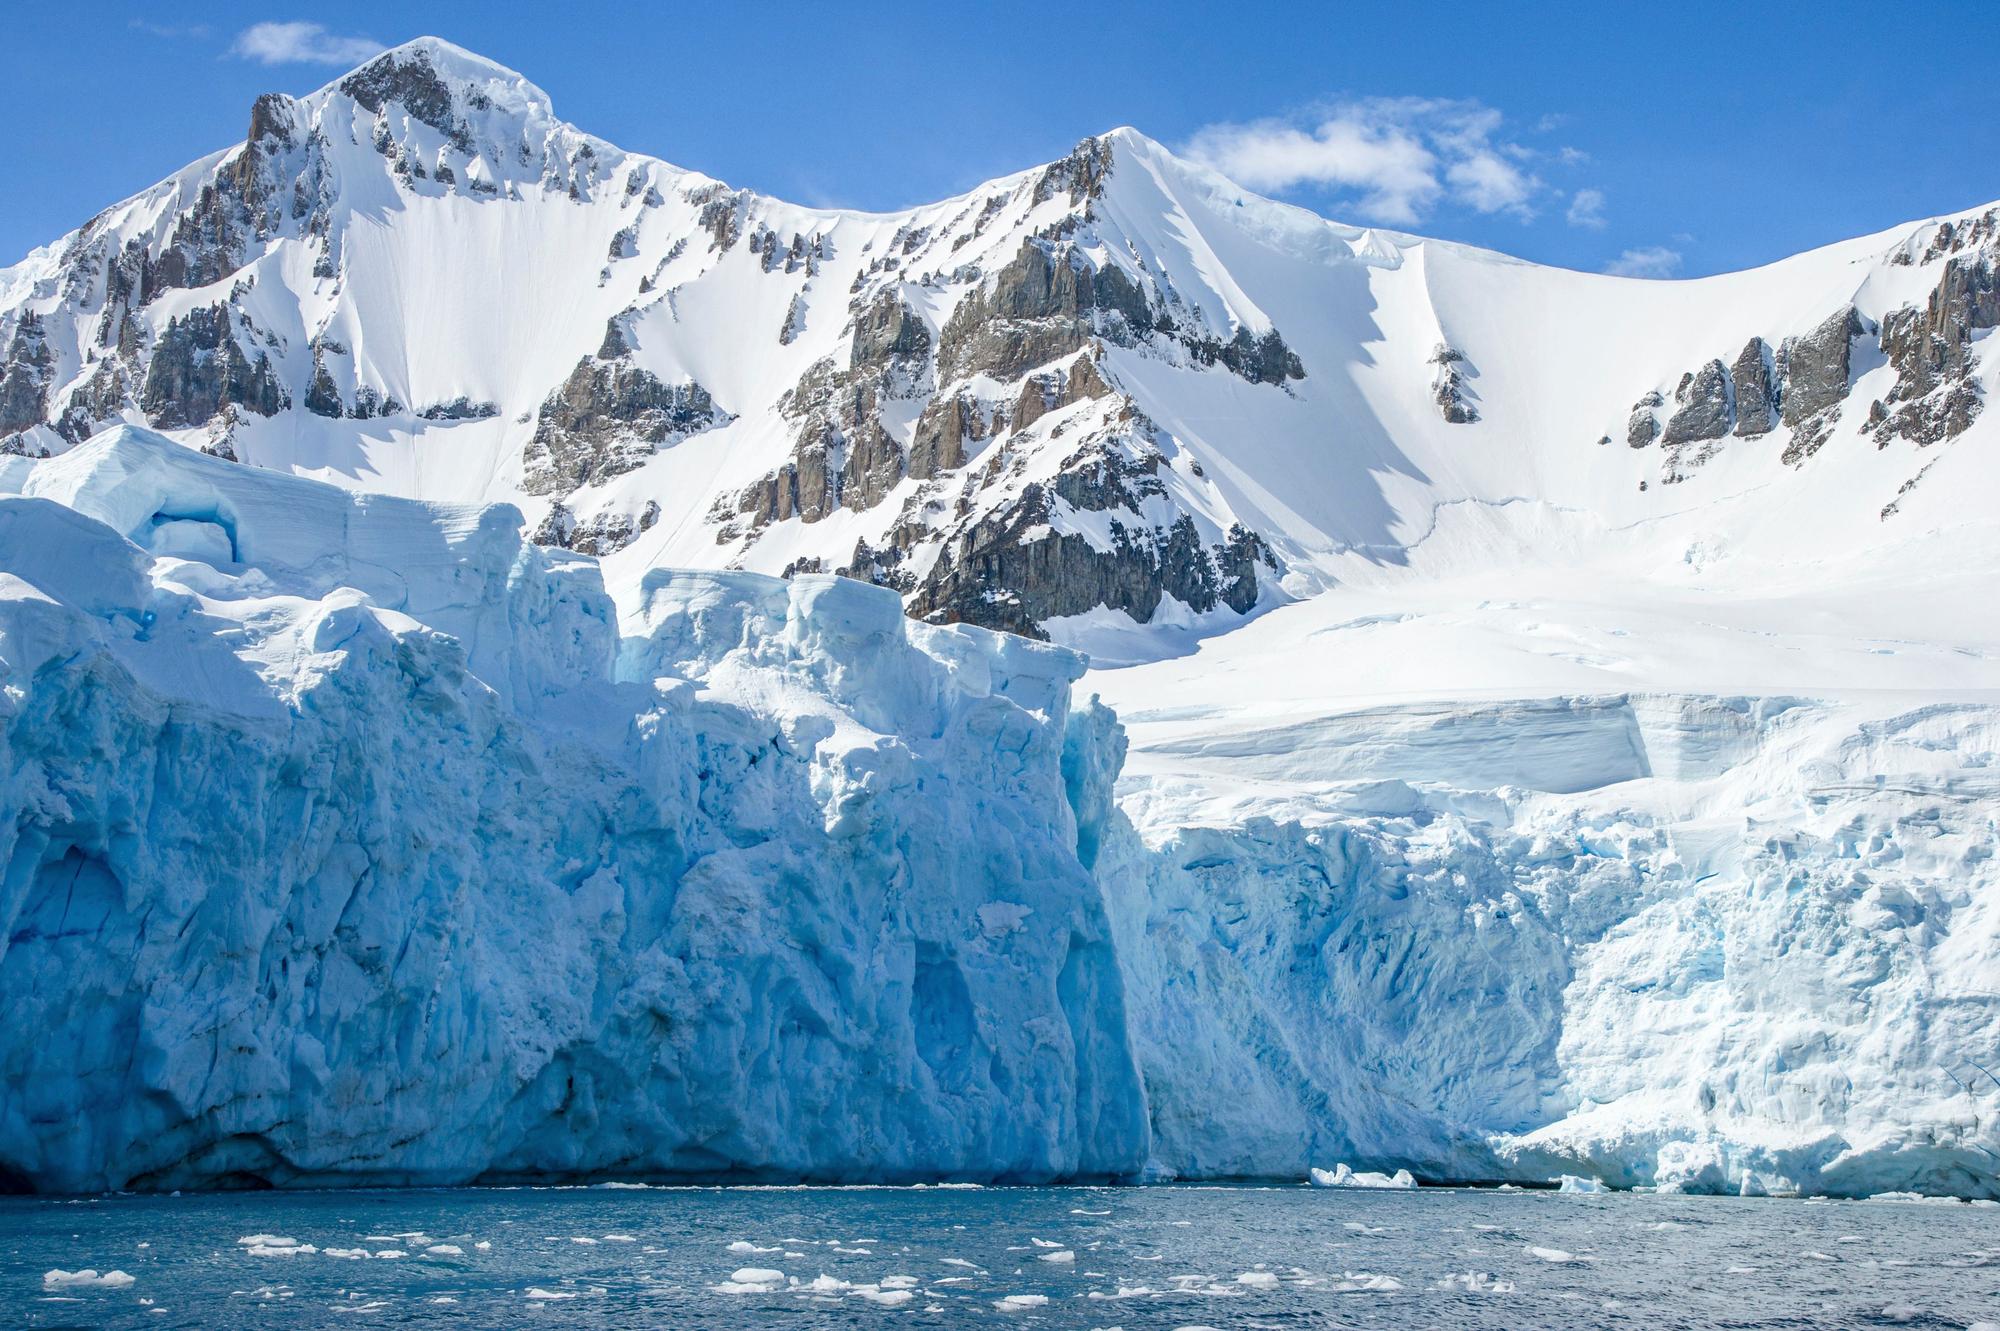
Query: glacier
[[351, 838]]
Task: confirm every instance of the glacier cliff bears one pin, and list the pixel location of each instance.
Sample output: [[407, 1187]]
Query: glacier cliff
[[354, 838], [351, 838]]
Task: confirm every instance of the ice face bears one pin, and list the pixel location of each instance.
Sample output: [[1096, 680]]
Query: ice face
[[350, 838], [373, 850]]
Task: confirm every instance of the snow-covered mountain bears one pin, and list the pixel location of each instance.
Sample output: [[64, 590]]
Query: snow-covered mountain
[[1556, 716], [1115, 390]]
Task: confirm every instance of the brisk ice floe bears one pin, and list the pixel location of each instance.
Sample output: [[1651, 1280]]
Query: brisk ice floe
[[87, 1278]]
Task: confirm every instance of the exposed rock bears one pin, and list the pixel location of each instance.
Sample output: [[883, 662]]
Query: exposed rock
[[602, 534], [97, 400], [608, 418], [460, 409], [1754, 389], [1448, 389], [948, 424], [888, 330], [1261, 359], [1644, 426], [24, 376], [1935, 396], [1702, 406], [795, 320], [198, 368], [323, 394], [1815, 367], [408, 79], [1043, 393], [1081, 175], [1011, 571], [1046, 303]]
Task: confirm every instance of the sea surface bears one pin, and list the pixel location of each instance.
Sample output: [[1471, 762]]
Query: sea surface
[[1279, 1257]]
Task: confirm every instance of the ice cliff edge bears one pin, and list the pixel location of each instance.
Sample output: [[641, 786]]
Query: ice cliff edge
[[346, 839]]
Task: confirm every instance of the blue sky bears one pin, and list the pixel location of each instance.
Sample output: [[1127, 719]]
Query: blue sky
[[1670, 140]]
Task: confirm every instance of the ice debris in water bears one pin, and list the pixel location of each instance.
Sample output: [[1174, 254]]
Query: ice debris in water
[[1340, 1176], [752, 1280], [1577, 1183], [86, 1278]]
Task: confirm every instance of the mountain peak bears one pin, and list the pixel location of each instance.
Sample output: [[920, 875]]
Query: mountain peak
[[430, 76]]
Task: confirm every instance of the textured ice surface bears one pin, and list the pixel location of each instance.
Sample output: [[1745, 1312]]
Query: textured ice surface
[[348, 837], [376, 850]]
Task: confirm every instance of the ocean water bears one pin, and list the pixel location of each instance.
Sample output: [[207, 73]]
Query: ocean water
[[1000, 1257]]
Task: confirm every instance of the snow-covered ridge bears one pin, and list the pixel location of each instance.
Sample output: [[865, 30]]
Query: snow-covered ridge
[[1115, 400]]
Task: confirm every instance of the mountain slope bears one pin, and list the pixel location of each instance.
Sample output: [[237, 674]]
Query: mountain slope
[[1114, 391]]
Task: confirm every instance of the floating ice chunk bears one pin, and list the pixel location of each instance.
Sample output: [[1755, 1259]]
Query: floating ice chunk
[[1476, 1282], [887, 1298], [1257, 1280], [1061, 1257], [1365, 1282], [749, 1249], [1556, 1255], [1577, 1183], [826, 1284], [752, 1280], [541, 1295], [619, 1238], [1044, 1243], [445, 1250], [1360, 1228], [85, 1279], [484, 1245], [1340, 1176], [1009, 1303], [389, 1254]]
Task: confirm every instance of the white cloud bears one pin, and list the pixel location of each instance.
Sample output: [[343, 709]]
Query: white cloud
[[1650, 261], [1402, 156], [1586, 209], [301, 44]]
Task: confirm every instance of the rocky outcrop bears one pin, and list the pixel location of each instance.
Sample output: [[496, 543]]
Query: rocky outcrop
[[1643, 426], [1754, 389], [199, 367], [408, 79], [1448, 386], [1935, 396], [844, 457], [601, 534], [1702, 406], [1081, 175], [608, 418], [25, 375], [1013, 570], [1815, 370], [1080, 381], [945, 432]]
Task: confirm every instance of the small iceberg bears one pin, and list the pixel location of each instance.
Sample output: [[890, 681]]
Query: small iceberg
[[1577, 1183], [1340, 1176]]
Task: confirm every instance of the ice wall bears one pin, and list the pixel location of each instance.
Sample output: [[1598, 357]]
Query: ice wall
[[345, 839], [1768, 969]]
